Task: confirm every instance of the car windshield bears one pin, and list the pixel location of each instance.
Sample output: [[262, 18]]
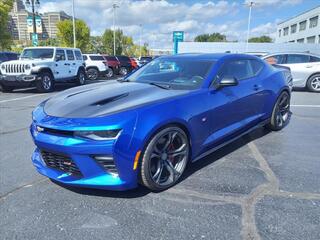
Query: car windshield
[[34, 53], [173, 73]]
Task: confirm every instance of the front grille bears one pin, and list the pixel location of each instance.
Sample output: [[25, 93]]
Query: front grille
[[60, 162], [107, 163], [14, 68]]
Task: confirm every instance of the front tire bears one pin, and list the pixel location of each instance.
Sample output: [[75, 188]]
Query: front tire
[[313, 83], [123, 71], [45, 83], [165, 159], [281, 112]]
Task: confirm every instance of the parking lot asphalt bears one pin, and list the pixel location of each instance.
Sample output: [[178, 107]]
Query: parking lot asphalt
[[265, 185]]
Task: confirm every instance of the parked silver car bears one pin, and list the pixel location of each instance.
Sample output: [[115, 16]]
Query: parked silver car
[[305, 68]]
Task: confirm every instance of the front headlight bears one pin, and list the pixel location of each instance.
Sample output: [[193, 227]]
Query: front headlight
[[98, 135], [3, 67], [27, 66]]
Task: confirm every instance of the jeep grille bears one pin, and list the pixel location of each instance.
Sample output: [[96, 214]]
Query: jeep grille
[[14, 68]]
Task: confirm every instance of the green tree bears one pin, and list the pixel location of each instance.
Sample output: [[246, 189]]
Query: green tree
[[53, 42], [107, 41], [214, 37], [262, 39], [65, 34], [5, 37]]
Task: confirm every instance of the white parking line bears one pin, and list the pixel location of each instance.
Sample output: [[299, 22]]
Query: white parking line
[[17, 99], [310, 106]]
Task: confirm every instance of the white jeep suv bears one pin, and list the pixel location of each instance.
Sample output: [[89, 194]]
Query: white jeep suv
[[96, 65], [42, 67]]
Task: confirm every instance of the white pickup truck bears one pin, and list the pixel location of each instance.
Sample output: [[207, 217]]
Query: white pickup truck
[[42, 67]]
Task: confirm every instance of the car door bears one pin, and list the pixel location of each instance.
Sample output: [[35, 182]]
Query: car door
[[239, 106], [61, 69], [301, 66], [71, 63]]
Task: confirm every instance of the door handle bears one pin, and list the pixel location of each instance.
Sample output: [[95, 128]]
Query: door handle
[[67, 64], [257, 87], [309, 66], [73, 63]]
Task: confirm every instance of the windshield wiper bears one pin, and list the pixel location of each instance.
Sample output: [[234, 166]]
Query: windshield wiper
[[167, 87]]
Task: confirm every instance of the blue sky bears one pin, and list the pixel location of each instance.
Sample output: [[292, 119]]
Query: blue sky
[[160, 18]]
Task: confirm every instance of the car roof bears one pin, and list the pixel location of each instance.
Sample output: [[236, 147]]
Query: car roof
[[210, 56], [67, 48], [92, 54], [300, 53]]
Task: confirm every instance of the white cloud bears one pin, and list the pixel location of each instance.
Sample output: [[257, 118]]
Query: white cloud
[[160, 18], [273, 3]]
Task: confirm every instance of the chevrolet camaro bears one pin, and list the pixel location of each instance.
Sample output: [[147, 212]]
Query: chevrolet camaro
[[145, 128]]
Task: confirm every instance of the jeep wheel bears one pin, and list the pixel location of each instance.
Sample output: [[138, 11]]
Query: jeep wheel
[[45, 83], [123, 71], [6, 89], [92, 73], [81, 77], [313, 83], [109, 73]]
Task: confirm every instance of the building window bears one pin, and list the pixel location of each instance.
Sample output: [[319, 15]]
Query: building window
[[279, 32], [301, 40], [286, 31], [303, 25], [311, 39], [313, 22], [293, 28]]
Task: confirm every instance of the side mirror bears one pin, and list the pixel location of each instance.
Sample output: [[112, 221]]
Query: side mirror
[[57, 59], [228, 81]]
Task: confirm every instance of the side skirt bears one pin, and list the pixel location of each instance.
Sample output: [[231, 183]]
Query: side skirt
[[263, 123]]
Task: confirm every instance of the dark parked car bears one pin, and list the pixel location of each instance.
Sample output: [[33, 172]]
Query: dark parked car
[[125, 65], [113, 64], [144, 60], [8, 56]]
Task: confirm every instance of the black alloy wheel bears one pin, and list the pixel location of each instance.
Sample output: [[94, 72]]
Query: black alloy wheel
[[165, 159]]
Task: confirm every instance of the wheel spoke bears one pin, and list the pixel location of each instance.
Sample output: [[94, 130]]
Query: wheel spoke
[[180, 151], [158, 174], [171, 169]]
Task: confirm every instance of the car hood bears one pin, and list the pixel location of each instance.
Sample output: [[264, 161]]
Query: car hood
[[94, 100]]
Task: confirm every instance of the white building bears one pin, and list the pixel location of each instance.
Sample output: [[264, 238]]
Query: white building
[[304, 28]]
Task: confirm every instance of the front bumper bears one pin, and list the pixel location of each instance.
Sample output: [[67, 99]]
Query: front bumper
[[82, 153], [18, 80]]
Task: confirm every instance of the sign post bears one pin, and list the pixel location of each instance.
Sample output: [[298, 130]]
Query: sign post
[[178, 36]]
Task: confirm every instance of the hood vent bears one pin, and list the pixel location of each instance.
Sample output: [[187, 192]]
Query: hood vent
[[110, 99]]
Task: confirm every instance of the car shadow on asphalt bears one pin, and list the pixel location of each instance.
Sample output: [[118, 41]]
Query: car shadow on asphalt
[[190, 170]]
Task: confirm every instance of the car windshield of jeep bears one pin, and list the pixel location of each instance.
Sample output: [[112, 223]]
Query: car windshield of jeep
[[37, 53]]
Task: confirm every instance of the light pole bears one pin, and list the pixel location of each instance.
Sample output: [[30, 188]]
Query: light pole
[[74, 26], [33, 4], [250, 4], [114, 6], [140, 40]]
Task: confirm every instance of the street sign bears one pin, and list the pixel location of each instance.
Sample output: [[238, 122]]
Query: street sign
[[35, 39], [178, 36]]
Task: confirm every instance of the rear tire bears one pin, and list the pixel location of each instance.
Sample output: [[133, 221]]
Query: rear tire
[[45, 83], [92, 73], [6, 89], [313, 83], [81, 77], [281, 112], [110, 73]]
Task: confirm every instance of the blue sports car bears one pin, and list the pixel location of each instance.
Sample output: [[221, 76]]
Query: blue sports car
[[146, 127]]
